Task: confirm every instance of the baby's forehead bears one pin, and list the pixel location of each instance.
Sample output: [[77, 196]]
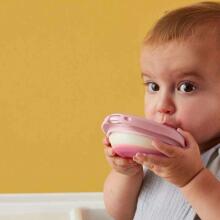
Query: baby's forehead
[[194, 57], [202, 48], [204, 35]]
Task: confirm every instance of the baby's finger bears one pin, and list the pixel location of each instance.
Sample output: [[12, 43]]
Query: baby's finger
[[123, 162], [106, 141], [109, 152], [166, 149], [189, 139], [151, 159]]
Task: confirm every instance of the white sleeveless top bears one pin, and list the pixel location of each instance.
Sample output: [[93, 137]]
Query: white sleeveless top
[[161, 200]]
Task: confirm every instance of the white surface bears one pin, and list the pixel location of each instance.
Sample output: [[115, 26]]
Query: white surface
[[53, 206], [131, 139], [36, 216]]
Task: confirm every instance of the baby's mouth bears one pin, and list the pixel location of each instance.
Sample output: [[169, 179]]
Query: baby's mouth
[[170, 125]]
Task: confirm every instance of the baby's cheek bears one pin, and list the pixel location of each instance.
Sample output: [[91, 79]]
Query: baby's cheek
[[195, 125], [149, 111]]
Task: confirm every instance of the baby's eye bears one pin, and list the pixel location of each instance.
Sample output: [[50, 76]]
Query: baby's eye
[[186, 87], [152, 87]]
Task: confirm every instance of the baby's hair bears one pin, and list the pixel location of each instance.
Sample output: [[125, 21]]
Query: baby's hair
[[186, 22]]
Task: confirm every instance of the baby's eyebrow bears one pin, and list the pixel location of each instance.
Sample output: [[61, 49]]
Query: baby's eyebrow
[[180, 74], [190, 73], [145, 74]]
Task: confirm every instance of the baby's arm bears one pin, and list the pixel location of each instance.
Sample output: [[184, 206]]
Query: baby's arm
[[184, 168], [120, 194], [122, 185], [203, 193]]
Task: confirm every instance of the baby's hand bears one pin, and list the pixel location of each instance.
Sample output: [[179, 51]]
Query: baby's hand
[[125, 166], [178, 165]]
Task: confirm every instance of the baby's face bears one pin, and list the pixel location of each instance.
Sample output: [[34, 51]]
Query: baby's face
[[183, 87]]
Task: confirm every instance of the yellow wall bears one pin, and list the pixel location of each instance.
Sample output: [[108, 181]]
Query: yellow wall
[[64, 65]]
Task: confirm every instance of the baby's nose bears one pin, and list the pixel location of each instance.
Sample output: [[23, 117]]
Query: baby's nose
[[166, 106], [167, 110]]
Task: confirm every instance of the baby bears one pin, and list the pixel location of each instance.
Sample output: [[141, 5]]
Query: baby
[[180, 65]]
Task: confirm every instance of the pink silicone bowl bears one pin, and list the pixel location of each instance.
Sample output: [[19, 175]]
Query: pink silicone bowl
[[129, 134]]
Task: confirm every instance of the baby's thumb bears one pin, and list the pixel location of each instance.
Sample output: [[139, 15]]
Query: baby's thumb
[[189, 139]]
